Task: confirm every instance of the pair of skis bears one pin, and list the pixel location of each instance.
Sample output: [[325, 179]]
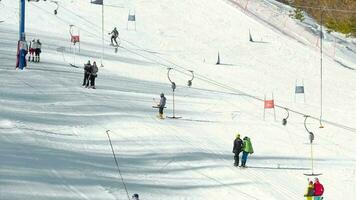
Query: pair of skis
[[156, 107]]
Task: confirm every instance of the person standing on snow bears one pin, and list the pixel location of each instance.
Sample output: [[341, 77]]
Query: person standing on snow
[[93, 74], [31, 56], [22, 50], [135, 197], [38, 50], [86, 73], [237, 149], [246, 149], [114, 35], [310, 191], [318, 189], [161, 105]]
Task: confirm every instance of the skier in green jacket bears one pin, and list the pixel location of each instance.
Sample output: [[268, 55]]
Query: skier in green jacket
[[246, 149]]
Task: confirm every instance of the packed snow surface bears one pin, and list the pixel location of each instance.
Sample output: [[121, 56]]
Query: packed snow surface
[[53, 141]]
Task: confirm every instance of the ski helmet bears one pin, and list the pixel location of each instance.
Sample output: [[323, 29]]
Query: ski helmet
[[135, 196], [238, 135], [162, 95]]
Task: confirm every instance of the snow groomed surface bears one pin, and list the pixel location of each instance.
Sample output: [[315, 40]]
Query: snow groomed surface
[[53, 142]]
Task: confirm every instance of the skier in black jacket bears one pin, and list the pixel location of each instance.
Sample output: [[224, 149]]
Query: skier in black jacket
[[114, 35], [237, 149], [86, 73]]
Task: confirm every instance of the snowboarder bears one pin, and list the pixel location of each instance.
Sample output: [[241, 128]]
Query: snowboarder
[[86, 73], [135, 197], [31, 56], [93, 74], [38, 50], [161, 105], [114, 35], [237, 149], [318, 189], [310, 191], [246, 149]]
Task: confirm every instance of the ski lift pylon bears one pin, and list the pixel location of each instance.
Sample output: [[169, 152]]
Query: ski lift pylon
[[173, 86], [311, 139]]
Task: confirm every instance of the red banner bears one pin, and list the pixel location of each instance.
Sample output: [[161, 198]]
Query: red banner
[[75, 39], [269, 104]]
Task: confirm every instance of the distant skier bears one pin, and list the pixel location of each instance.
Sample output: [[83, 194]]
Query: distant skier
[[135, 197], [31, 56], [237, 149], [86, 73], [310, 191], [246, 149], [161, 105], [38, 47], [93, 74], [114, 35], [318, 189]]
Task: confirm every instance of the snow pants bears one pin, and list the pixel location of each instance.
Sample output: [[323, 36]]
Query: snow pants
[[92, 80], [113, 39], [244, 158], [86, 79], [237, 158], [317, 197], [160, 110]]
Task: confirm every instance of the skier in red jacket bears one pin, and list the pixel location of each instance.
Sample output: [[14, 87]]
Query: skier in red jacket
[[318, 189]]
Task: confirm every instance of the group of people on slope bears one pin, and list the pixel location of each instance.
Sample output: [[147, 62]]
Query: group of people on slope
[[315, 190], [34, 50], [90, 74], [244, 146]]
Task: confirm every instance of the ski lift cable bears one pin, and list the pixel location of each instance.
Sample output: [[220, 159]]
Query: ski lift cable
[[213, 82]]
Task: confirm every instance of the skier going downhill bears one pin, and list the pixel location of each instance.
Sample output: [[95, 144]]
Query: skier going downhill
[[114, 35], [246, 149], [237, 149], [161, 105]]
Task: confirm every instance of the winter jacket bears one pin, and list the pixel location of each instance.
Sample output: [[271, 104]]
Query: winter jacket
[[162, 102], [39, 45], [94, 70], [237, 146], [34, 45], [247, 145], [310, 191], [87, 68], [115, 33], [318, 189]]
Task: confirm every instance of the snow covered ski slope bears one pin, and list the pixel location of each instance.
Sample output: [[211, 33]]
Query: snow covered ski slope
[[53, 141]]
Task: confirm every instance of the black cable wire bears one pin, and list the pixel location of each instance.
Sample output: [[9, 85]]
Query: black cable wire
[[117, 165]]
